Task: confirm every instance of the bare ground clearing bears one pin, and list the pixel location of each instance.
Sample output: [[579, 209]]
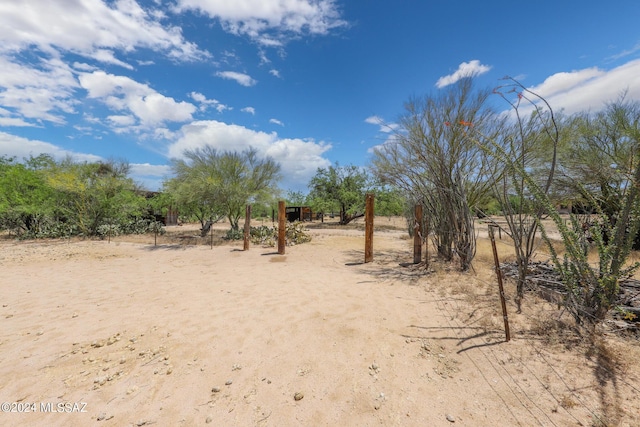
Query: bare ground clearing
[[182, 334]]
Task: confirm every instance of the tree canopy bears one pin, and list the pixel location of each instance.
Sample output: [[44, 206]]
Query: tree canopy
[[340, 188], [42, 197], [211, 185]]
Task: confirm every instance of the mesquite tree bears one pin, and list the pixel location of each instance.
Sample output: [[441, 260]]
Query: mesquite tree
[[212, 184], [342, 188]]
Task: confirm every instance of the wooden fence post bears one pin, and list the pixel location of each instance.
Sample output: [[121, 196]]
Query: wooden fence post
[[282, 226], [368, 234], [500, 286], [417, 235], [247, 227]]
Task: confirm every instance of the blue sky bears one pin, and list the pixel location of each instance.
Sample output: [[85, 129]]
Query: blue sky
[[307, 82]]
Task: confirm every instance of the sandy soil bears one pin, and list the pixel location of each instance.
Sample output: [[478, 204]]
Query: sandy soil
[[130, 334]]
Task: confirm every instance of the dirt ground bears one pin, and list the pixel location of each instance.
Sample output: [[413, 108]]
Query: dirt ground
[[125, 333]]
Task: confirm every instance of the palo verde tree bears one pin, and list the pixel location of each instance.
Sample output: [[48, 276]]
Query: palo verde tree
[[341, 188], [43, 197], [92, 197], [211, 184], [432, 159], [25, 198], [601, 155]]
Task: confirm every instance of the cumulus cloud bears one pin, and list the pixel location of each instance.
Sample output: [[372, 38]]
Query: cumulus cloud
[[121, 93], [240, 78], [40, 91], [36, 83], [299, 158], [466, 69], [52, 26], [589, 89], [249, 110], [270, 22], [276, 122]]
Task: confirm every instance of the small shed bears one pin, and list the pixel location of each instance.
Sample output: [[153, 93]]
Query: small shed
[[299, 213]]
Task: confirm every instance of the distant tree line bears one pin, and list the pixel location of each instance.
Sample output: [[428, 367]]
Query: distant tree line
[[42, 197]]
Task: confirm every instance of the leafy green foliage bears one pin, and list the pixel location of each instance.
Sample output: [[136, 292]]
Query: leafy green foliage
[[389, 201], [92, 194], [46, 198], [211, 185], [296, 198], [340, 188], [25, 198]]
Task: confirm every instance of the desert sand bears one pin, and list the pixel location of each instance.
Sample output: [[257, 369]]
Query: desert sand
[[130, 334]]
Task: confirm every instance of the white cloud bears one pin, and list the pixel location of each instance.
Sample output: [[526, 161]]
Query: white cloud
[[562, 82], [83, 66], [41, 91], [36, 83], [240, 78], [590, 88], [249, 110], [124, 94], [391, 139], [627, 52], [270, 22], [299, 158], [374, 120], [20, 147], [276, 122], [106, 56], [205, 103], [275, 73], [148, 175], [379, 121], [124, 120], [91, 28], [263, 57], [12, 121], [466, 69]]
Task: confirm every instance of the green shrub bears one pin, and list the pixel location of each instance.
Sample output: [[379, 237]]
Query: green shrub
[[268, 236]]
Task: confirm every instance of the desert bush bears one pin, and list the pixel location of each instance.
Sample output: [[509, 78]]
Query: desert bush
[[234, 234], [264, 235], [591, 291], [295, 234], [130, 226]]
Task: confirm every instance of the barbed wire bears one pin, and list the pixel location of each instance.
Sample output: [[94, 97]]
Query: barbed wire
[[448, 316]]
